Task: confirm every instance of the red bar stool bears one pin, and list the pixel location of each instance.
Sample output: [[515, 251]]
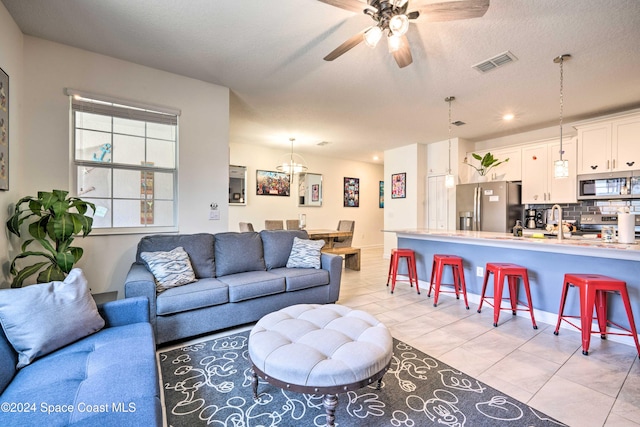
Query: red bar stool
[[410, 256], [457, 269], [593, 292], [511, 272]]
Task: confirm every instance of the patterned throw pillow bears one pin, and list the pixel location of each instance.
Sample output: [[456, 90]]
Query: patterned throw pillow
[[305, 253], [170, 269]]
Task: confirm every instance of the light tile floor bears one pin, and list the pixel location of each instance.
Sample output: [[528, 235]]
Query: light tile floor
[[545, 371]]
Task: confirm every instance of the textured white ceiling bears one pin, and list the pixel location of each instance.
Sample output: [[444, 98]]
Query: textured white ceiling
[[269, 53]]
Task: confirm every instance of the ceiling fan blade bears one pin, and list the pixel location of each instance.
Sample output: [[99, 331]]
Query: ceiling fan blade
[[451, 11], [403, 55], [346, 46], [350, 5], [413, 15]]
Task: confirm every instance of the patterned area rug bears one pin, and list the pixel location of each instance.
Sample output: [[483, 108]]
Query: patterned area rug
[[209, 383]]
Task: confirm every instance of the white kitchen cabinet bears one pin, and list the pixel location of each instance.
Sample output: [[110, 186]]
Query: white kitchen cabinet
[[538, 183], [438, 158], [437, 203], [509, 171], [609, 146]]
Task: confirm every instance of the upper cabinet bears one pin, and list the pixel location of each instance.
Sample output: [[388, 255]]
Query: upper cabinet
[[438, 158], [538, 183], [507, 171], [609, 146]]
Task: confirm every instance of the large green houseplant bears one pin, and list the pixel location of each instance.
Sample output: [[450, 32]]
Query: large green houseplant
[[54, 221], [487, 162]]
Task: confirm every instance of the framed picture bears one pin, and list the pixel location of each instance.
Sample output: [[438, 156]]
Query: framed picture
[[381, 195], [270, 183], [351, 192], [4, 130], [315, 192], [399, 185]]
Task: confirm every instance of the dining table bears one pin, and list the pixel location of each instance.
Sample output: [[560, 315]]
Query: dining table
[[329, 236]]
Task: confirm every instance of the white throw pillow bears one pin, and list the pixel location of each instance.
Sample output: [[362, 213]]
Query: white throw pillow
[[305, 253], [39, 319], [170, 269]]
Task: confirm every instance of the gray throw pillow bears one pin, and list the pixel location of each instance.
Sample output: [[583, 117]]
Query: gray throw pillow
[[39, 319], [170, 269], [305, 253]]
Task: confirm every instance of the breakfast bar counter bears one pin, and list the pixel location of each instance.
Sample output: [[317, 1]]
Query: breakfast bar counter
[[547, 260]]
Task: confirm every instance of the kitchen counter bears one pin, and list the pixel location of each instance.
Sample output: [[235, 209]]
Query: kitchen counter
[[547, 260], [574, 245]]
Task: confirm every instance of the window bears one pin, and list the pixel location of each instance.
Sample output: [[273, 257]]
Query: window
[[125, 162]]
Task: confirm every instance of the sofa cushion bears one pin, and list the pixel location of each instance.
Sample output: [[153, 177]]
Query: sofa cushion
[[305, 253], [203, 293], [115, 367], [277, 246], [170, 269], [238, 252], [200, 248], [39, 319], [8, 361], [252, 284], [302, 278]]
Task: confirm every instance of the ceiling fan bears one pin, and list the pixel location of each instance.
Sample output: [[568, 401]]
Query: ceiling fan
[[391, 17]]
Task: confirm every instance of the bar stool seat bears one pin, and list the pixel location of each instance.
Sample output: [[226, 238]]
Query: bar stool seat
[[511, 272], [593, 294], [410, 256], [459, 286]]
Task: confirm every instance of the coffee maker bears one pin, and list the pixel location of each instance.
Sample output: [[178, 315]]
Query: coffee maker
[[530, 218]]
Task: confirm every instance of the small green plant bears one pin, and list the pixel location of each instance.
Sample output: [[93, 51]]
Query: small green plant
[[486, 163], [55, 220]]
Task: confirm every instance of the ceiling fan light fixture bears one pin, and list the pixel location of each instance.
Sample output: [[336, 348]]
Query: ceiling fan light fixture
[[394, 42], [399, 25], [373, 36]]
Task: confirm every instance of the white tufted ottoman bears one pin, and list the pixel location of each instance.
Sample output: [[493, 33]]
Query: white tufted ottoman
[[319, 349]]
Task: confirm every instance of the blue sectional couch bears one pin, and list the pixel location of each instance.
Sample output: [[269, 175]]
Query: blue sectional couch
[[108, 378], [240, 278]]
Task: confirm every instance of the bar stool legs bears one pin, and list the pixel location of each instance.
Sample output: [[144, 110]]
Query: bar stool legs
[[396, 255], [459, 285], [593, 295], [511, 272]]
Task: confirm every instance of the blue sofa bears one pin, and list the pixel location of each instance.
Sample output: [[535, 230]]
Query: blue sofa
[[108, 378], [240, 278]]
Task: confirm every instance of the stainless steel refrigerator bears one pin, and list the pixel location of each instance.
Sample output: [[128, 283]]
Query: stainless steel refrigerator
[[488, 206]]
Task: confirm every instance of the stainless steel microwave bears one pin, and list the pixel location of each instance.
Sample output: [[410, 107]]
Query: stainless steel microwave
[[609, 186]]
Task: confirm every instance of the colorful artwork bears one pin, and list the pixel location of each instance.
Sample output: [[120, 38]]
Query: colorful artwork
[[4, 130], [351, 192], [381, 195], [315, 192], [272, 183], [398, 185]]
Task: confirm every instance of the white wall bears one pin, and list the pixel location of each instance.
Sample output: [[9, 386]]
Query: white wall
[[368, 216], [410, 211], [46, 155], [11, 61]]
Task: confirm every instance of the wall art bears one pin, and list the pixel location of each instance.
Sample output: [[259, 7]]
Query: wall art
[[399, 185], [381, 195], [4, 130], [351, 192], [269, 183]]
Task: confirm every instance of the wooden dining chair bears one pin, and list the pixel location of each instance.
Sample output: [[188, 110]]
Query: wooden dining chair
[[344, 242], [273, 224], [293, 224], [246, 226]]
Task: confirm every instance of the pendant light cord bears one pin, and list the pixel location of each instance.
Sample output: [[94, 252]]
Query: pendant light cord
[[449, 99], [560, 60]]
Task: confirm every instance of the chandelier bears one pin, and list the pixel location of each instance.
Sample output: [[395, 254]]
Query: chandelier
[[292, 163]]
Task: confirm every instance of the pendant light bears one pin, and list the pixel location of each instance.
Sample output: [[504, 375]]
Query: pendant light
[[449, 179], [293, 163], [561, 167]]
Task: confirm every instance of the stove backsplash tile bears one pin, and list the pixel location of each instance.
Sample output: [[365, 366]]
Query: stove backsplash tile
[[572, 211]]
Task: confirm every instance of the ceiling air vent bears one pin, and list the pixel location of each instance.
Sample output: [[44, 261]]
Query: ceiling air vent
[[495, 62]]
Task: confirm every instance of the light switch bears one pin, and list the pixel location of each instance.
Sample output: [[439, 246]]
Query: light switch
[[214, 214]]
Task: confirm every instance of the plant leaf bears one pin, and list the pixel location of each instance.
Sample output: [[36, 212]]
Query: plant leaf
[[65, 261], [21, 275], [50, 274], [476, 156]]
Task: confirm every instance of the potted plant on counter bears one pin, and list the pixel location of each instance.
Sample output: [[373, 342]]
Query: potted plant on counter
[[55, 220], [487, 162]]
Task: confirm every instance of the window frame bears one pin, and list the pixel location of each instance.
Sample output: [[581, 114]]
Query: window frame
[[103, 105]]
